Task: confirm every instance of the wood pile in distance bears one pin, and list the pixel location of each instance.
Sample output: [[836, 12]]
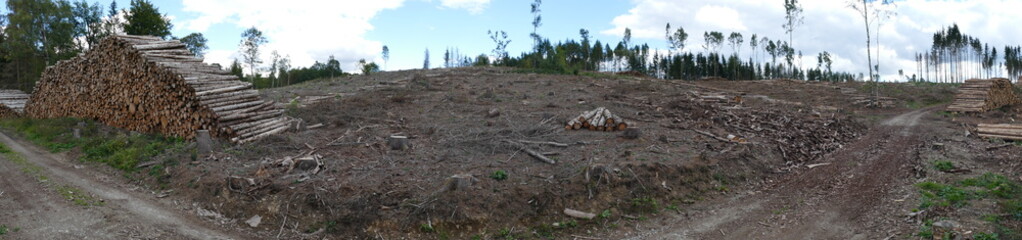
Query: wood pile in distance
[[12, 103], [981, 95], [599, 119], [1002, 131], [151, 85]]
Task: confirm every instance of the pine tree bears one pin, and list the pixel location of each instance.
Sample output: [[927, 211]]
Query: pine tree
[[251, 40]]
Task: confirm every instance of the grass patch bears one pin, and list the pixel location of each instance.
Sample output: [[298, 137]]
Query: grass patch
[[1006, 192], [943, 165], [936, 194], [118, 149], [77, 196]]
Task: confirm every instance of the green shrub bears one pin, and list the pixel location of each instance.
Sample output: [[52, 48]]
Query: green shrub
[[943, 165], [499, 175]]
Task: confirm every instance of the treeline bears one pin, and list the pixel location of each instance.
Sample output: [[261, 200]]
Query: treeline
[[571, 56], [955, 57], [284, 75], [39, 33]]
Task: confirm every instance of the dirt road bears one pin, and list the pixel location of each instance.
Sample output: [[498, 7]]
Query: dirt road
[[31, 207], [857, 192]]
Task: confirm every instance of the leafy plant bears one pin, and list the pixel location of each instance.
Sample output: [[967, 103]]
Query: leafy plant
[[499, 175], [985, 236], [425, 227], [604, 214], [943, 165]]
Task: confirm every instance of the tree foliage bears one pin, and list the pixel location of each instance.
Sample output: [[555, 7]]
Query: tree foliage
[[145, 19], [196, 43], [251, 40]]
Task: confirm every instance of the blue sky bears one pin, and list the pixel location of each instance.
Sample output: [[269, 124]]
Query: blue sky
[[313, 30]]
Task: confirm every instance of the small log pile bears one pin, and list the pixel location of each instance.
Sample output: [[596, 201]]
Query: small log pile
[[981, 95], [12, 103], [599, 119], [1002, 131], [146, 84], [866, 100]]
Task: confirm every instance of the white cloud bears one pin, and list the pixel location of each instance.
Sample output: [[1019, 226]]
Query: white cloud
[[723, 18], [829, 26], [472, 6], [307, 30]]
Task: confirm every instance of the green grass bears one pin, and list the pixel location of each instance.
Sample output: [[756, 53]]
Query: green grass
[[943, 165], [119, 150], [985, 236], [936, 194], [3, 230], [77, 196], [499, 175], [1006, 192]]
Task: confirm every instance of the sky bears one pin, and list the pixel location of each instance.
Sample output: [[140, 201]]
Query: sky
[[313, 30]]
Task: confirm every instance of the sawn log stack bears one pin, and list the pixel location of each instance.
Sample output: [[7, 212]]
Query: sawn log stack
[[147, 84], [1003, 131], [12, 103], [981, 95]]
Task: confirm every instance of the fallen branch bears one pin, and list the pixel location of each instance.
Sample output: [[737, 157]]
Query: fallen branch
[[579, 214], [533, 153], [811, 166], [1000, 146], [555, 144], [713, 136]]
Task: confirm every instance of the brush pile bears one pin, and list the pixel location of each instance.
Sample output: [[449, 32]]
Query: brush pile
[[147, 84], [599, 119], [12, 103]]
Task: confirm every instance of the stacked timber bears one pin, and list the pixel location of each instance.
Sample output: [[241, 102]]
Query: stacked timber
[[1003, 131], [599, 119], [12, 103], [981, 95], [147, 84]]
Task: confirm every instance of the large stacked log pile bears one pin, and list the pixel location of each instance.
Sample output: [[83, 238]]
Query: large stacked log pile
[[146, 84], [981, 95], [12, 103], [1003, 131]]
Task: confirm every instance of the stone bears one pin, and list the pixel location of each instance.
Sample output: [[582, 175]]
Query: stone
[[254, 221], [461, 182], [947, 224]]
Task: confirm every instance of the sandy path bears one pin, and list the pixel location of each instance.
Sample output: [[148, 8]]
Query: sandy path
[[859, 195], [39, 212]]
